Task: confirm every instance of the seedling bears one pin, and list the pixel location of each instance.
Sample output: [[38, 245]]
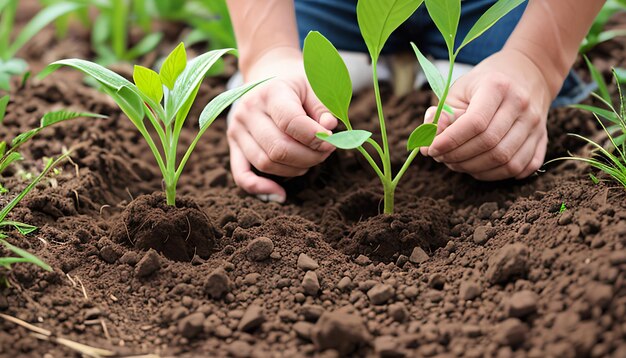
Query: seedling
[[562, 208], [10, 65], [328, 75], [165, 98], [10, 156], [609, 158]]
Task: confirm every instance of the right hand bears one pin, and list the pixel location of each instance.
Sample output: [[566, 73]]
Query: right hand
[[273, 127]]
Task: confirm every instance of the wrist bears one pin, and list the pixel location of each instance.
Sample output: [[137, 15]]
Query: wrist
[[268, 62]]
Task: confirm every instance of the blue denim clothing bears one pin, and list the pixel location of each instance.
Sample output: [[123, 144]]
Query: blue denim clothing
[[336, 19]]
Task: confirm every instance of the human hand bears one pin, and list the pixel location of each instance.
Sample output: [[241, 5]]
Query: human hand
[[501, 109], [273, 127]]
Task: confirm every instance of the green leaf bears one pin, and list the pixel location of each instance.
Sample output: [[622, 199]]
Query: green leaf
[[3, 148], [606, 114], [55, 117], [422, 136], [378, 19], [23, 229], [147, 44], [41, 20], [489, 18], [350, 139], [599, 80], [4, 102], [148, 82], [620, 74], [328, 75], [222, 101], [27, 256], [446, 15], [9, 159], [173, 66], [130, 103], [24, 137], [434, 77], [190, 79], [108, 78]]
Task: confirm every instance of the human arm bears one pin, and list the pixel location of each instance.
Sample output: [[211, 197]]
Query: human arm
[[502, 104], [273, 128]]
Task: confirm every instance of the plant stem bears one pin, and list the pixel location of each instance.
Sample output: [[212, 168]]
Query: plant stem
[[442, 100], [405, 166], [119, 15], [170, 193], [381, 120], [389, 190]]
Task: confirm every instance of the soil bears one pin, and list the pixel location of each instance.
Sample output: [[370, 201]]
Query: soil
[[463, 269]]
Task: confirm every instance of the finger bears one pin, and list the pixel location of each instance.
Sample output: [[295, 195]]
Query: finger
[[316, 110], [483, 106], [250, 182], [515, 166], [537, 161], [445, 119], [500, 155], [501, 124], [279, 147], [258, 158], [286, 110]]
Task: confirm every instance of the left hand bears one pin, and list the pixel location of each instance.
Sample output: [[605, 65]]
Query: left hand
[[501, 107]]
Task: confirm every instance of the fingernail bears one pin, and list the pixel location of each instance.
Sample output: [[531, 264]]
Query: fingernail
[[262, 197], [438, 160], [429, 115], [276, 198]]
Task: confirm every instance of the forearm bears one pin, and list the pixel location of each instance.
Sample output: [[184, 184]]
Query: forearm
[[263, 26], [550, 33]]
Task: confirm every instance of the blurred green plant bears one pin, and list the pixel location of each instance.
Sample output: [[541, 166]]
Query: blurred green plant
[[608, 157], [10, 65], [598, 33]]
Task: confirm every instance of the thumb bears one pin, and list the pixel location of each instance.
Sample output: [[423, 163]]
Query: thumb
[[445, 120], [316, 110]]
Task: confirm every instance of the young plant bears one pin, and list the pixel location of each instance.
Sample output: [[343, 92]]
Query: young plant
[[328, 75], [9, 156], [165, 98], [10, 65], [611, 157]]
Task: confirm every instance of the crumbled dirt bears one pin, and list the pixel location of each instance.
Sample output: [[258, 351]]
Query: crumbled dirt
[[463, 269]]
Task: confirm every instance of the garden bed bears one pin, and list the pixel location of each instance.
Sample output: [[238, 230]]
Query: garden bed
[[500, 269]]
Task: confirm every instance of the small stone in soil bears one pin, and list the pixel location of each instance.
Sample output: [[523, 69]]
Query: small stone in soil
[[345, 284], [259, 249], [469, 290], [303, 329], [486, 209], [310, 283], [523, 303], [398, 312], [239, 349], [109, 254], [508, 262], [191, 325], [341, 331], [149, 264], [482, 234], [311, 312], [511, 332], [130, 258], [599, 294], [363, 260], [252, 318], [437, 281], [418, 255], [380, 294], [388, 347], [306, 263], [217, 284]]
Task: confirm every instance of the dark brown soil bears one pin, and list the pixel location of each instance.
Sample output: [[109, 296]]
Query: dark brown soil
[[463, 269]]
